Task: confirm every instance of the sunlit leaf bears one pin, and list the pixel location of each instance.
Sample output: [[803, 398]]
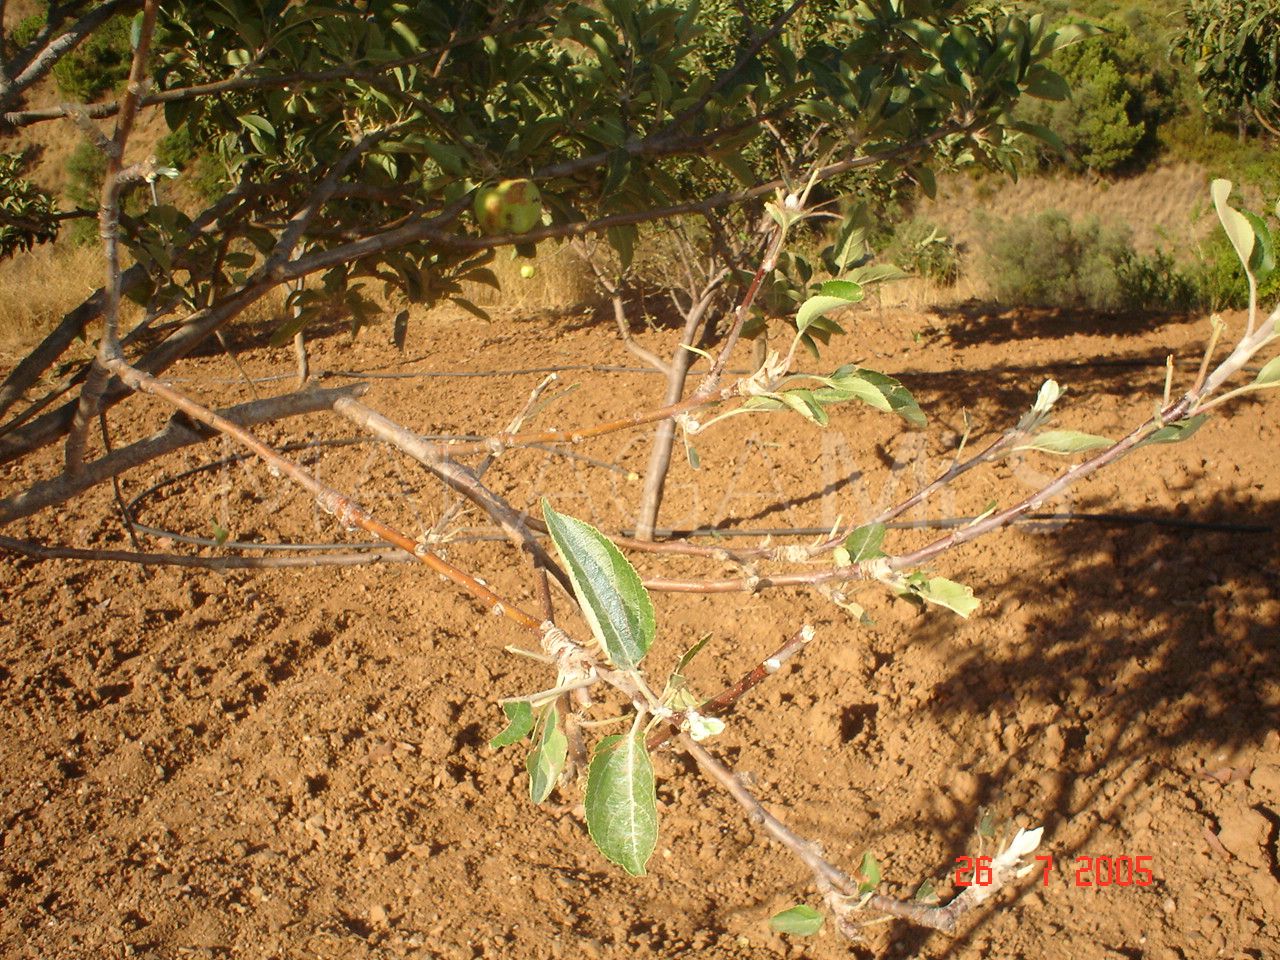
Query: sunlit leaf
[[621, 802], [947, 593], [1065, 442], [519, 724], [613, 600], [1177, 431], [547, 759], [868, 873], [798, 921], [1238, 228], [1270, 373], [864, 542], [832, 295]]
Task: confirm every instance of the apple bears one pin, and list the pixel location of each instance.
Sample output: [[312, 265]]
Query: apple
[[527, 271], [513, 206]]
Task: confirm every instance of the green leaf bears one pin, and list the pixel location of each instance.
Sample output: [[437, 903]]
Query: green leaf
[[880, 391], [520, 723], [864, 543], [613, 600], [258, 124], [831, 296], [1175, 432], [547, 758], [798, 921], [623, 240], [220, 533], [621, 802], [927, 893], [690, 654], [1263, 261], [869, 873], [1238, 228], [1065, 442], [1270, 373], [947, 593]]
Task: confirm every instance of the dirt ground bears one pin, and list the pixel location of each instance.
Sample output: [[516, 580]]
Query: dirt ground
[[294, 763]]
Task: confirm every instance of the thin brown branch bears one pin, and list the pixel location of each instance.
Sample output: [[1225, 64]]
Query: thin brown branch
[[347, 512], [839, 889], [457, 477], [113, 186], [337, 558], [178, 433], [723, 702]]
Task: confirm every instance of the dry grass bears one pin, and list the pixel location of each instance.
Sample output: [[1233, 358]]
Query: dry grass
[[37, 288], [560, 281], [1162, 207]]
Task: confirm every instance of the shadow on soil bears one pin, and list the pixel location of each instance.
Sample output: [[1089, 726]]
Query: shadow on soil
[[1163, 640], [975, 323]]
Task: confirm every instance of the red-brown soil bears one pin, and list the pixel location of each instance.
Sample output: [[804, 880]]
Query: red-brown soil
[[293, 763]]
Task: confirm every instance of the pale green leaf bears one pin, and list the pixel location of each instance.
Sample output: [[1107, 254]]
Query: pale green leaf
[[864, 543], [832, 295], [1177, 431], [1270, 373], [927, 893], [546, 760], [621, 802], [1065, 442], [868, 873], [692, 652], [947, 593], [519, 724], [613, 600], [1239, 230], [798, 921]]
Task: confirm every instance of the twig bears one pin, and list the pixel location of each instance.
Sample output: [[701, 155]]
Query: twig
[[343, 508], [336, 558], [456, 476], [178, 433], [724, 701], [839, 889]]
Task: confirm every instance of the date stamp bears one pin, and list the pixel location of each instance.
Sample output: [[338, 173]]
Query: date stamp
[[1090, 871]]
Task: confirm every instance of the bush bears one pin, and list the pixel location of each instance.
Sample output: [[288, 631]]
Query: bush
[[86, 168], [1118, 101], [201, 172], [1048, 260], [98, 65], [1156, 281], [919, 247], [26, 31], [1219, 281]]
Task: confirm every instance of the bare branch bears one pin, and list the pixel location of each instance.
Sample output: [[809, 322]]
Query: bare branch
[[178, 433]]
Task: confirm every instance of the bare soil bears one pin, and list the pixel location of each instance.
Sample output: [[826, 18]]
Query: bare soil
[[294, 763]]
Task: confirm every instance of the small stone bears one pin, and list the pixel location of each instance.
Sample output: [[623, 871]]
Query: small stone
[[378, 915]]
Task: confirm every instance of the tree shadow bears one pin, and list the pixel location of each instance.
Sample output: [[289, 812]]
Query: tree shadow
[[977, 322], [1157, 641]]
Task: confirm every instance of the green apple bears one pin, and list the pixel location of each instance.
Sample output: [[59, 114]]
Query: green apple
[[513, 206], [528, 271]]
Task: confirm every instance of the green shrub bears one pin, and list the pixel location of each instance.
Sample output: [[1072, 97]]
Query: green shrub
[[98, 65], [1219, 279], [1156, 282], [200, 171], [25, 31], [1120, 95], [1047, 260], [86, 168], [919, 247]]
